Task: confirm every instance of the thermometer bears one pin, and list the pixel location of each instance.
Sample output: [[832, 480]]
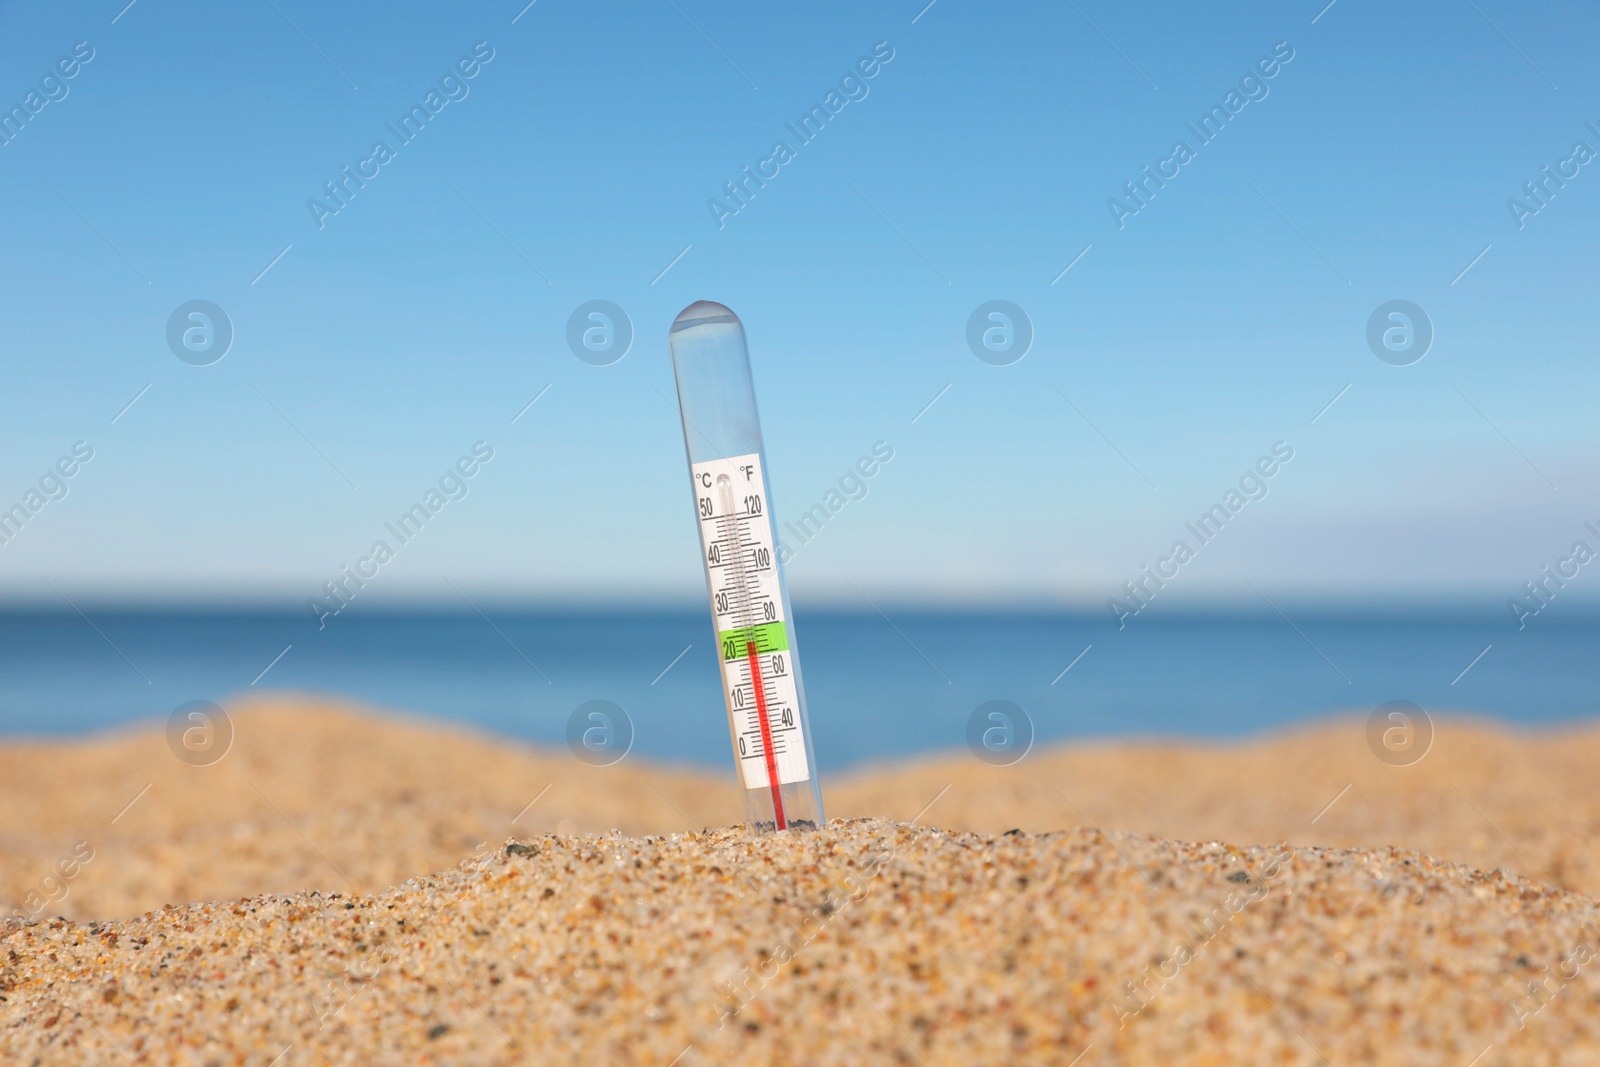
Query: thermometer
[[750, 613]]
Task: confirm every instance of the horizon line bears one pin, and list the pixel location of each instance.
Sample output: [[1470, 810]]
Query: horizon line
[[440, 606]]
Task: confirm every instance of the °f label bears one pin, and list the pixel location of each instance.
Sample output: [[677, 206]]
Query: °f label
[[741, 559]]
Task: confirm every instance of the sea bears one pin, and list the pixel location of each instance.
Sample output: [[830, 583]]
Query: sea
[[880, 686]]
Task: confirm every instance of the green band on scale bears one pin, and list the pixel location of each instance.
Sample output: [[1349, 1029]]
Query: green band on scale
[[768, 637]]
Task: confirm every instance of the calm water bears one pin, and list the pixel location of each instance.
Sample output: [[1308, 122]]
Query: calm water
[[876, 688]]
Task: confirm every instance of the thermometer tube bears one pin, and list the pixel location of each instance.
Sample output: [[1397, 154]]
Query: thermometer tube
[[750, 613]]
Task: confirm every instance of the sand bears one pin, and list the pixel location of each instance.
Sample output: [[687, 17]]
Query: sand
[[1351, 921], [871, 942]]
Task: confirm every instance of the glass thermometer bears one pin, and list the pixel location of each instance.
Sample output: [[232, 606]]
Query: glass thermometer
[[749, 601]]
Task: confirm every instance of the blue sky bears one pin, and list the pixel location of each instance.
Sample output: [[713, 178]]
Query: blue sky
[[1219, 319]]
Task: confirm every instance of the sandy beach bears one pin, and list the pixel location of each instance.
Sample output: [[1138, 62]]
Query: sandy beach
[[347, 886]]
